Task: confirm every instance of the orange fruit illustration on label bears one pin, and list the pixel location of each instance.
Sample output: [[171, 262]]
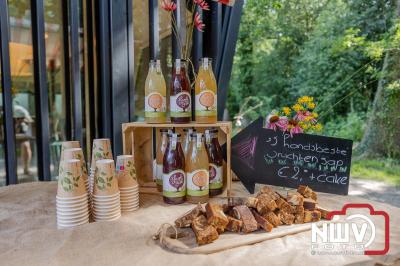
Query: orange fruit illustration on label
[[207, 99], [200, 179], [155, 101]]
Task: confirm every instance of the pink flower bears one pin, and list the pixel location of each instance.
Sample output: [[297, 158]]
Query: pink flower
[[198, 23], [300, 116], [304, 115], [168, 5], [275, 122], [294, 127], [202, 4]]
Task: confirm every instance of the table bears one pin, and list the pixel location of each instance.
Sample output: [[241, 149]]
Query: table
[[28, 235]]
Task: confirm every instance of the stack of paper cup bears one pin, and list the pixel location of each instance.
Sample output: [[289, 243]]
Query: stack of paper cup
[[106, 195], [101, 150], [72, 197], [127, 183], [68, 145], [77, 153]]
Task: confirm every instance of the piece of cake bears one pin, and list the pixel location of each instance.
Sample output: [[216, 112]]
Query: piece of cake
[[265, 204], [272, 218], [244, 214], [305, 191], [216, 217], [204, 232], [309, 204], [187, 219], [295, 198], [262, 222], [234, 225], [312, 216]]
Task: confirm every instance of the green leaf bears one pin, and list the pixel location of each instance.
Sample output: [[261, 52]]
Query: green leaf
[[101, 180], [108, 184]]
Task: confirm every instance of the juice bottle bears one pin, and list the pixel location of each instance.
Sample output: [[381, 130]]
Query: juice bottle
[[155, 94], [180, 100], [206, 93], [186, 142], [174, 176], [162, 145], [215, 158], [197, 170]]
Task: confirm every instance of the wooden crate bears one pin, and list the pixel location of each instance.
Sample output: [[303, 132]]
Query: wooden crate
[[138, 141]]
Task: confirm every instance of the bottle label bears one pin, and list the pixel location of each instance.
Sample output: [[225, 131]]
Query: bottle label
[[198, 183], [174, 184], [155, 105], [206, 103], [159, 176], [216, 174], [181, 105]]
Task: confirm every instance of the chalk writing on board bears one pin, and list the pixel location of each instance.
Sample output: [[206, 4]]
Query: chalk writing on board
[[246, 150], [276, 158]]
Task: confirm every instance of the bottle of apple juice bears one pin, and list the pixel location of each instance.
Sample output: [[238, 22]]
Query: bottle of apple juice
[[155, 94], [197, 172], [206, 93]]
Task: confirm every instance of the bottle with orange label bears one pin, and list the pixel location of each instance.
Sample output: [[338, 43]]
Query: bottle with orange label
[[155, 94], [197, 174], [206, 93]]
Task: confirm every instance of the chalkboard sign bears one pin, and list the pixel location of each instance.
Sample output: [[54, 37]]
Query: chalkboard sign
[[266, 156]]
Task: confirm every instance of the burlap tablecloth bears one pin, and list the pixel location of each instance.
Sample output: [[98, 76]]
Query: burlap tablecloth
[[28, 236]]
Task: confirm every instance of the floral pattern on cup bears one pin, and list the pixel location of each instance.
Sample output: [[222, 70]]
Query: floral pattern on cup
[[69, 182], [103, 181]]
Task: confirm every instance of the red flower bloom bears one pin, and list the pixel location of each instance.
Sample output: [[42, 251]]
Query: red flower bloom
[[202, 4], [198, 23], [168, 5], [225, 2]]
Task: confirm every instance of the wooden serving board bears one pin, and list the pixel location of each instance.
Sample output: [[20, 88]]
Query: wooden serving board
[[228, 240]]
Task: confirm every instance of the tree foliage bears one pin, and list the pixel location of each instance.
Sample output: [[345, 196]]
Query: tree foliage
[[331, 50]]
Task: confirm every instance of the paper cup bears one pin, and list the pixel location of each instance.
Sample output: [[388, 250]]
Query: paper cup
[[129, 199], [68, 145], [109, 218], [130, 209], [71, 206], [75, 217], [106, 212], [67, 224], [77, 153], [129, 206], [126, 172], [127, 189], [106, 206], [70, 182], [73, 209], [101, 150], [105, 182], [72, 199]]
